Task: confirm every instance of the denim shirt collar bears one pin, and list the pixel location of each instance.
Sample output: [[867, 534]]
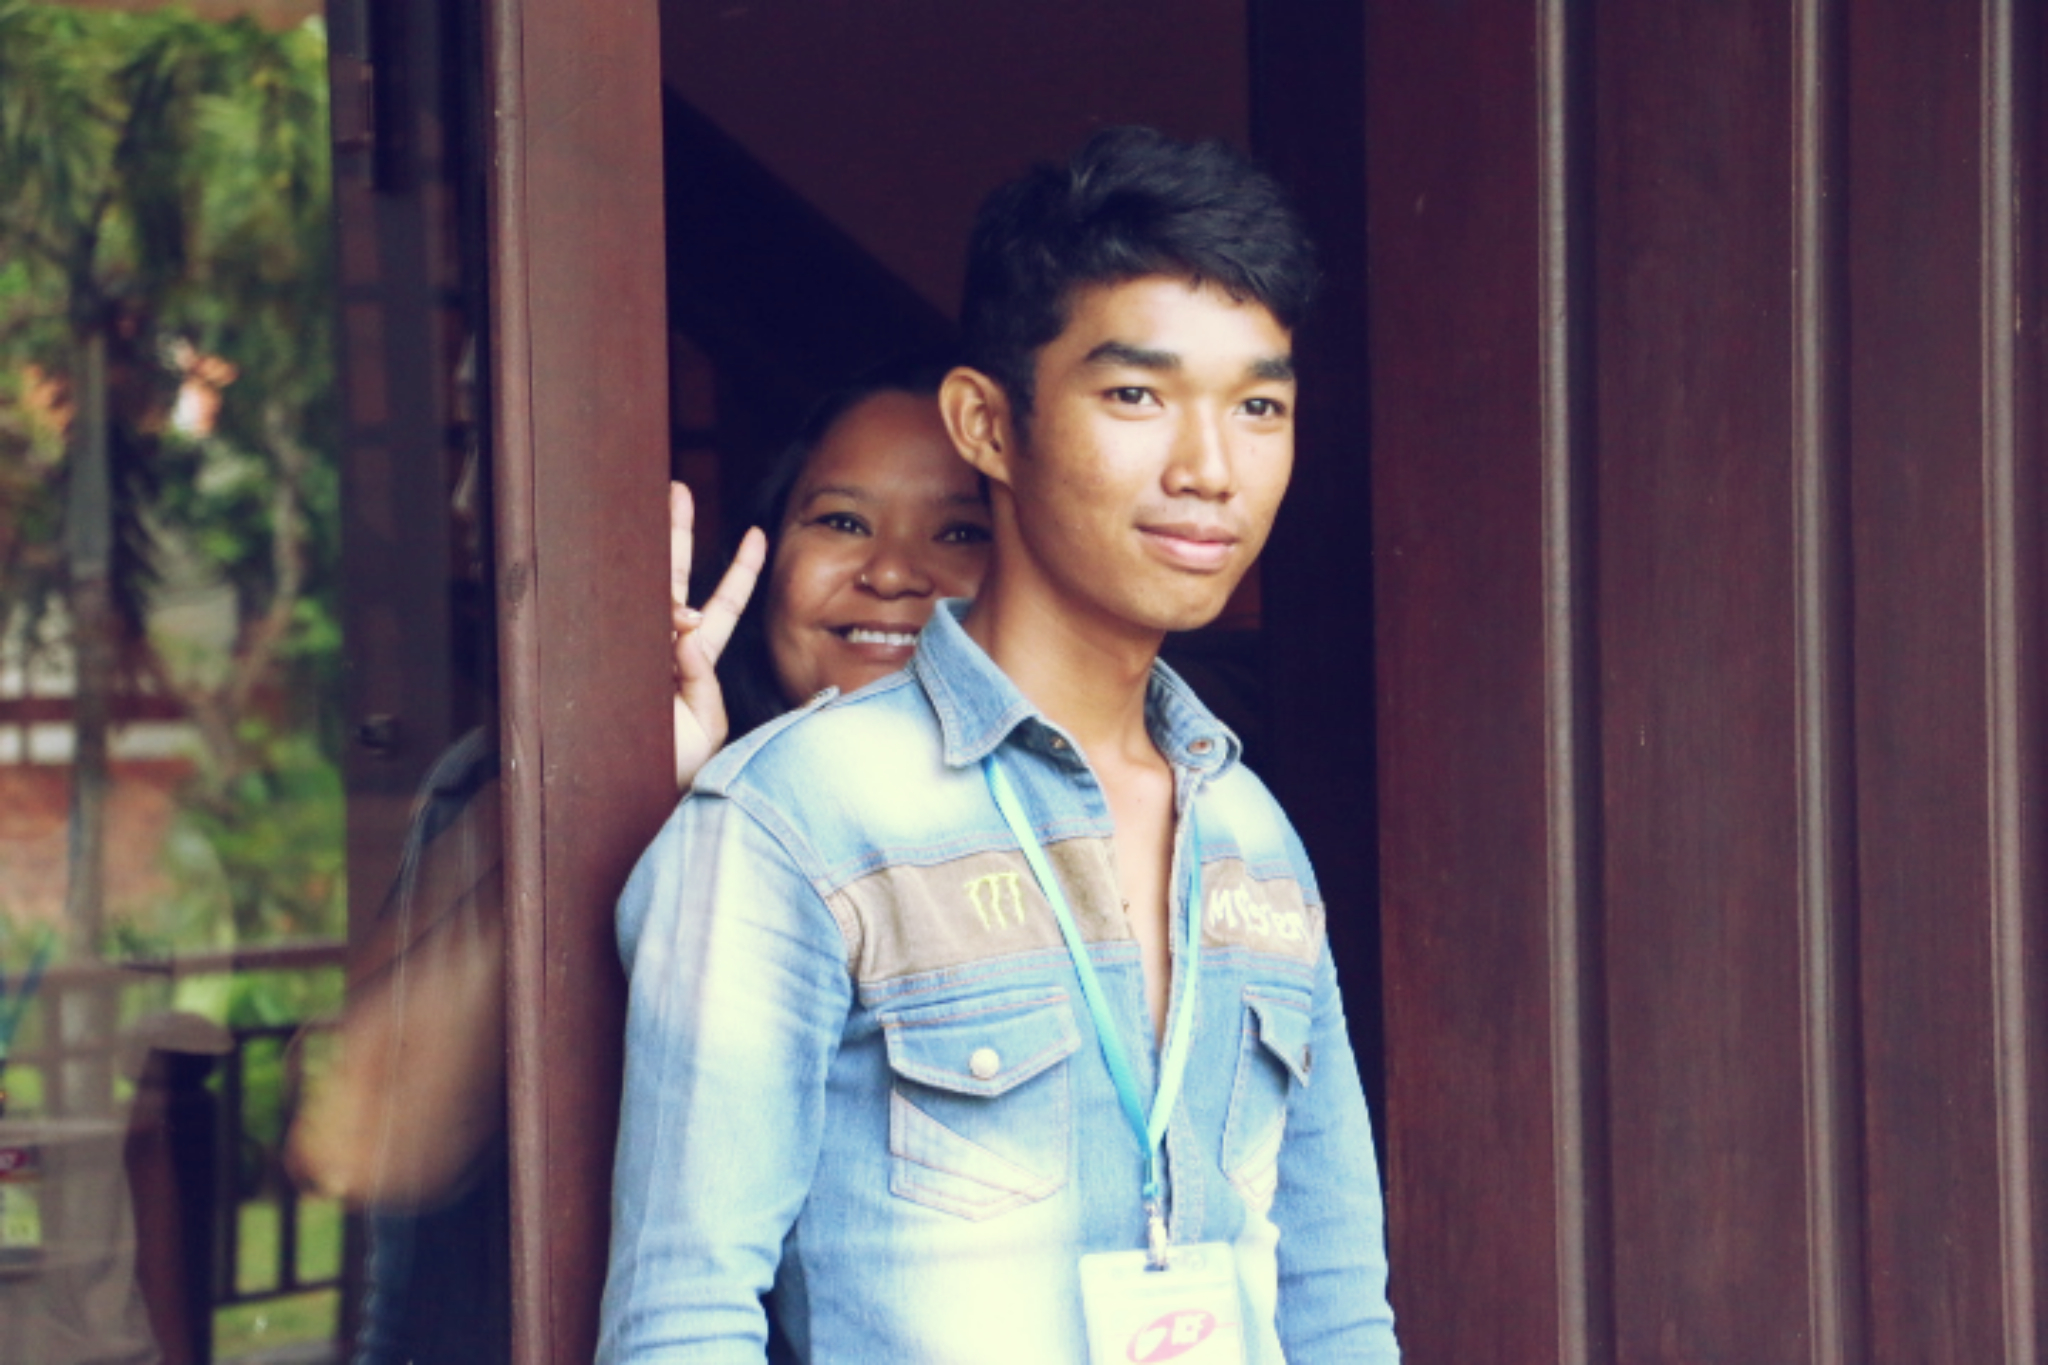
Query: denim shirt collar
[[978, 707]]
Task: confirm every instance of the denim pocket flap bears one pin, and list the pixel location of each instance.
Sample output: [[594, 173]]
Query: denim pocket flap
[[985, 1046], [1284, 1026]]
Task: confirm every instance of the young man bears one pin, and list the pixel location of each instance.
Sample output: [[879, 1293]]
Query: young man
[[986, 1014]]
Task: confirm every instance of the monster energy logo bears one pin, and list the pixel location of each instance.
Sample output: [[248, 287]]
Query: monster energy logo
[[998, 898]]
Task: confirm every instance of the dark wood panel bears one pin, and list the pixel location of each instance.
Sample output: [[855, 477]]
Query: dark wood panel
[[1694, 340], [1811, 253], [1459, 406], [1937, 676], [579, 360]]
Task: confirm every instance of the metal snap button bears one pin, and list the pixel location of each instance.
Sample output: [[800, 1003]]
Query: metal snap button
[[1058, 743], [985, 1063], [1308, 1059], [1201, 746]]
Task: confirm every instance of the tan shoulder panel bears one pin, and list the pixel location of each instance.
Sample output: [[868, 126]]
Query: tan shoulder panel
[[924, 918]]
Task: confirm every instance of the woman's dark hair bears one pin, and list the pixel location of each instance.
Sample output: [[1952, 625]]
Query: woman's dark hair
[[746, 671], [1133, 202]]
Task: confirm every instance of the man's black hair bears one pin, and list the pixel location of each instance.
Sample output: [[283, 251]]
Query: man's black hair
[[1133, 202], [746, 671]]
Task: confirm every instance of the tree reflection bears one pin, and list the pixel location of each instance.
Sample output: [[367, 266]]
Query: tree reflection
[[169, 641]]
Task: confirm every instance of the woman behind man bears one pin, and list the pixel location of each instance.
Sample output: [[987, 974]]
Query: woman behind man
[[874, 518]]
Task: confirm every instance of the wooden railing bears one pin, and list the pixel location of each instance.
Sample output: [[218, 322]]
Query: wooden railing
[[195, 1152]]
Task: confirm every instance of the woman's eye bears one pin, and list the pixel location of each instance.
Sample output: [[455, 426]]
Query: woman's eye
[[845, 522], [966, 533]]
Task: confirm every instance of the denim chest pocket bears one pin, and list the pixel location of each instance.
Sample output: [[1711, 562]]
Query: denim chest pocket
[[980, 1116], [1274, 1057]]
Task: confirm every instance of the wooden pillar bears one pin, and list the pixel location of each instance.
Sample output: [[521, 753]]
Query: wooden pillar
[[580, 393]]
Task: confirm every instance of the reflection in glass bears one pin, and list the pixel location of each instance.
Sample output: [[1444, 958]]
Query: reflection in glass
[[182, 755], [407, 1124]]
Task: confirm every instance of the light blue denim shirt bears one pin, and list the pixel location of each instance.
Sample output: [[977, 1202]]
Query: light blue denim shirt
[[859, 1065]]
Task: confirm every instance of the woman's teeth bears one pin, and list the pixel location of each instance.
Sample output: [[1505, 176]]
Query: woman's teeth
[[895, 639]]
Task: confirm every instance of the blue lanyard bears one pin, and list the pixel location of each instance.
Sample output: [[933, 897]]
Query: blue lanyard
[[1149, 1132]]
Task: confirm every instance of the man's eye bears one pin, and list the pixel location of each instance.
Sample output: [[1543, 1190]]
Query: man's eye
[[965, 533], [1264, 407], [844, 522], [1130, 395]]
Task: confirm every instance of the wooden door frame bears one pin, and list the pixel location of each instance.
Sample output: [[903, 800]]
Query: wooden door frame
[[578, 363]]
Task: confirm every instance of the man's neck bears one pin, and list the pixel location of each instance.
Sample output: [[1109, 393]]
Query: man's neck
[[1088, 676]]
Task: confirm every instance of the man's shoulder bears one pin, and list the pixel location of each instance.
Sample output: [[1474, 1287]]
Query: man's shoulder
[[1240, 814], [850, 783], [829, 737]]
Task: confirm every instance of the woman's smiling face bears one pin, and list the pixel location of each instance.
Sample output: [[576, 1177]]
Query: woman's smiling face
[[885, 520]]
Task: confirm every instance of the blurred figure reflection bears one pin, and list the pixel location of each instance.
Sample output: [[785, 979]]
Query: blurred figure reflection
[[408, 1125]]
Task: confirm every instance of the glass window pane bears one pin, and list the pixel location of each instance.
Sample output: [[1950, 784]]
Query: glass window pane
[[248, 825]]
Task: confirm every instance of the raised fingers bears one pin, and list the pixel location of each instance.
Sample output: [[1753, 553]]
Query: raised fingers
[[722, 611], [682, 521]]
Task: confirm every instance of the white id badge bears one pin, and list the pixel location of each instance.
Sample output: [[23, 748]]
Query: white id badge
[[1188, 1313]]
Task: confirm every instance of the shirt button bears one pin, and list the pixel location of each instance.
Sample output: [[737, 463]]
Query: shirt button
[[985, 1063]]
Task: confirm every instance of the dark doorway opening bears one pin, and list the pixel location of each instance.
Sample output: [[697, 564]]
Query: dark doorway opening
[[822, 168]]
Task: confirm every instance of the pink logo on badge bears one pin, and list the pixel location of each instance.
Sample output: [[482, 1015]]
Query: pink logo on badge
[[1174, 1334]]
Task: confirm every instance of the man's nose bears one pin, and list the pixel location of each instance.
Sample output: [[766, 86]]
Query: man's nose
[[1202, 463]]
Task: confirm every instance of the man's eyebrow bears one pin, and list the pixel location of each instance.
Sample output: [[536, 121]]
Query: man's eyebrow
[[1134, 357], [1277, 368]]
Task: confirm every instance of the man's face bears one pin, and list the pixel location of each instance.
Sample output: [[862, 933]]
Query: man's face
[[1158, 448]]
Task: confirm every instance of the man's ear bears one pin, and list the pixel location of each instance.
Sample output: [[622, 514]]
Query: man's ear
[[976, 412]]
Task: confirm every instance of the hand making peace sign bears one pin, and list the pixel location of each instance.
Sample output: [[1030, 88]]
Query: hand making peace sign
[[698, 637]]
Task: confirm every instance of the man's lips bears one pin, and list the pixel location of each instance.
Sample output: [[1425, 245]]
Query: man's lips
[[1191, 545]]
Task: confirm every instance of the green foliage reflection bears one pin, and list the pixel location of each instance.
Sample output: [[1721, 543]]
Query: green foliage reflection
[[167, 386]]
